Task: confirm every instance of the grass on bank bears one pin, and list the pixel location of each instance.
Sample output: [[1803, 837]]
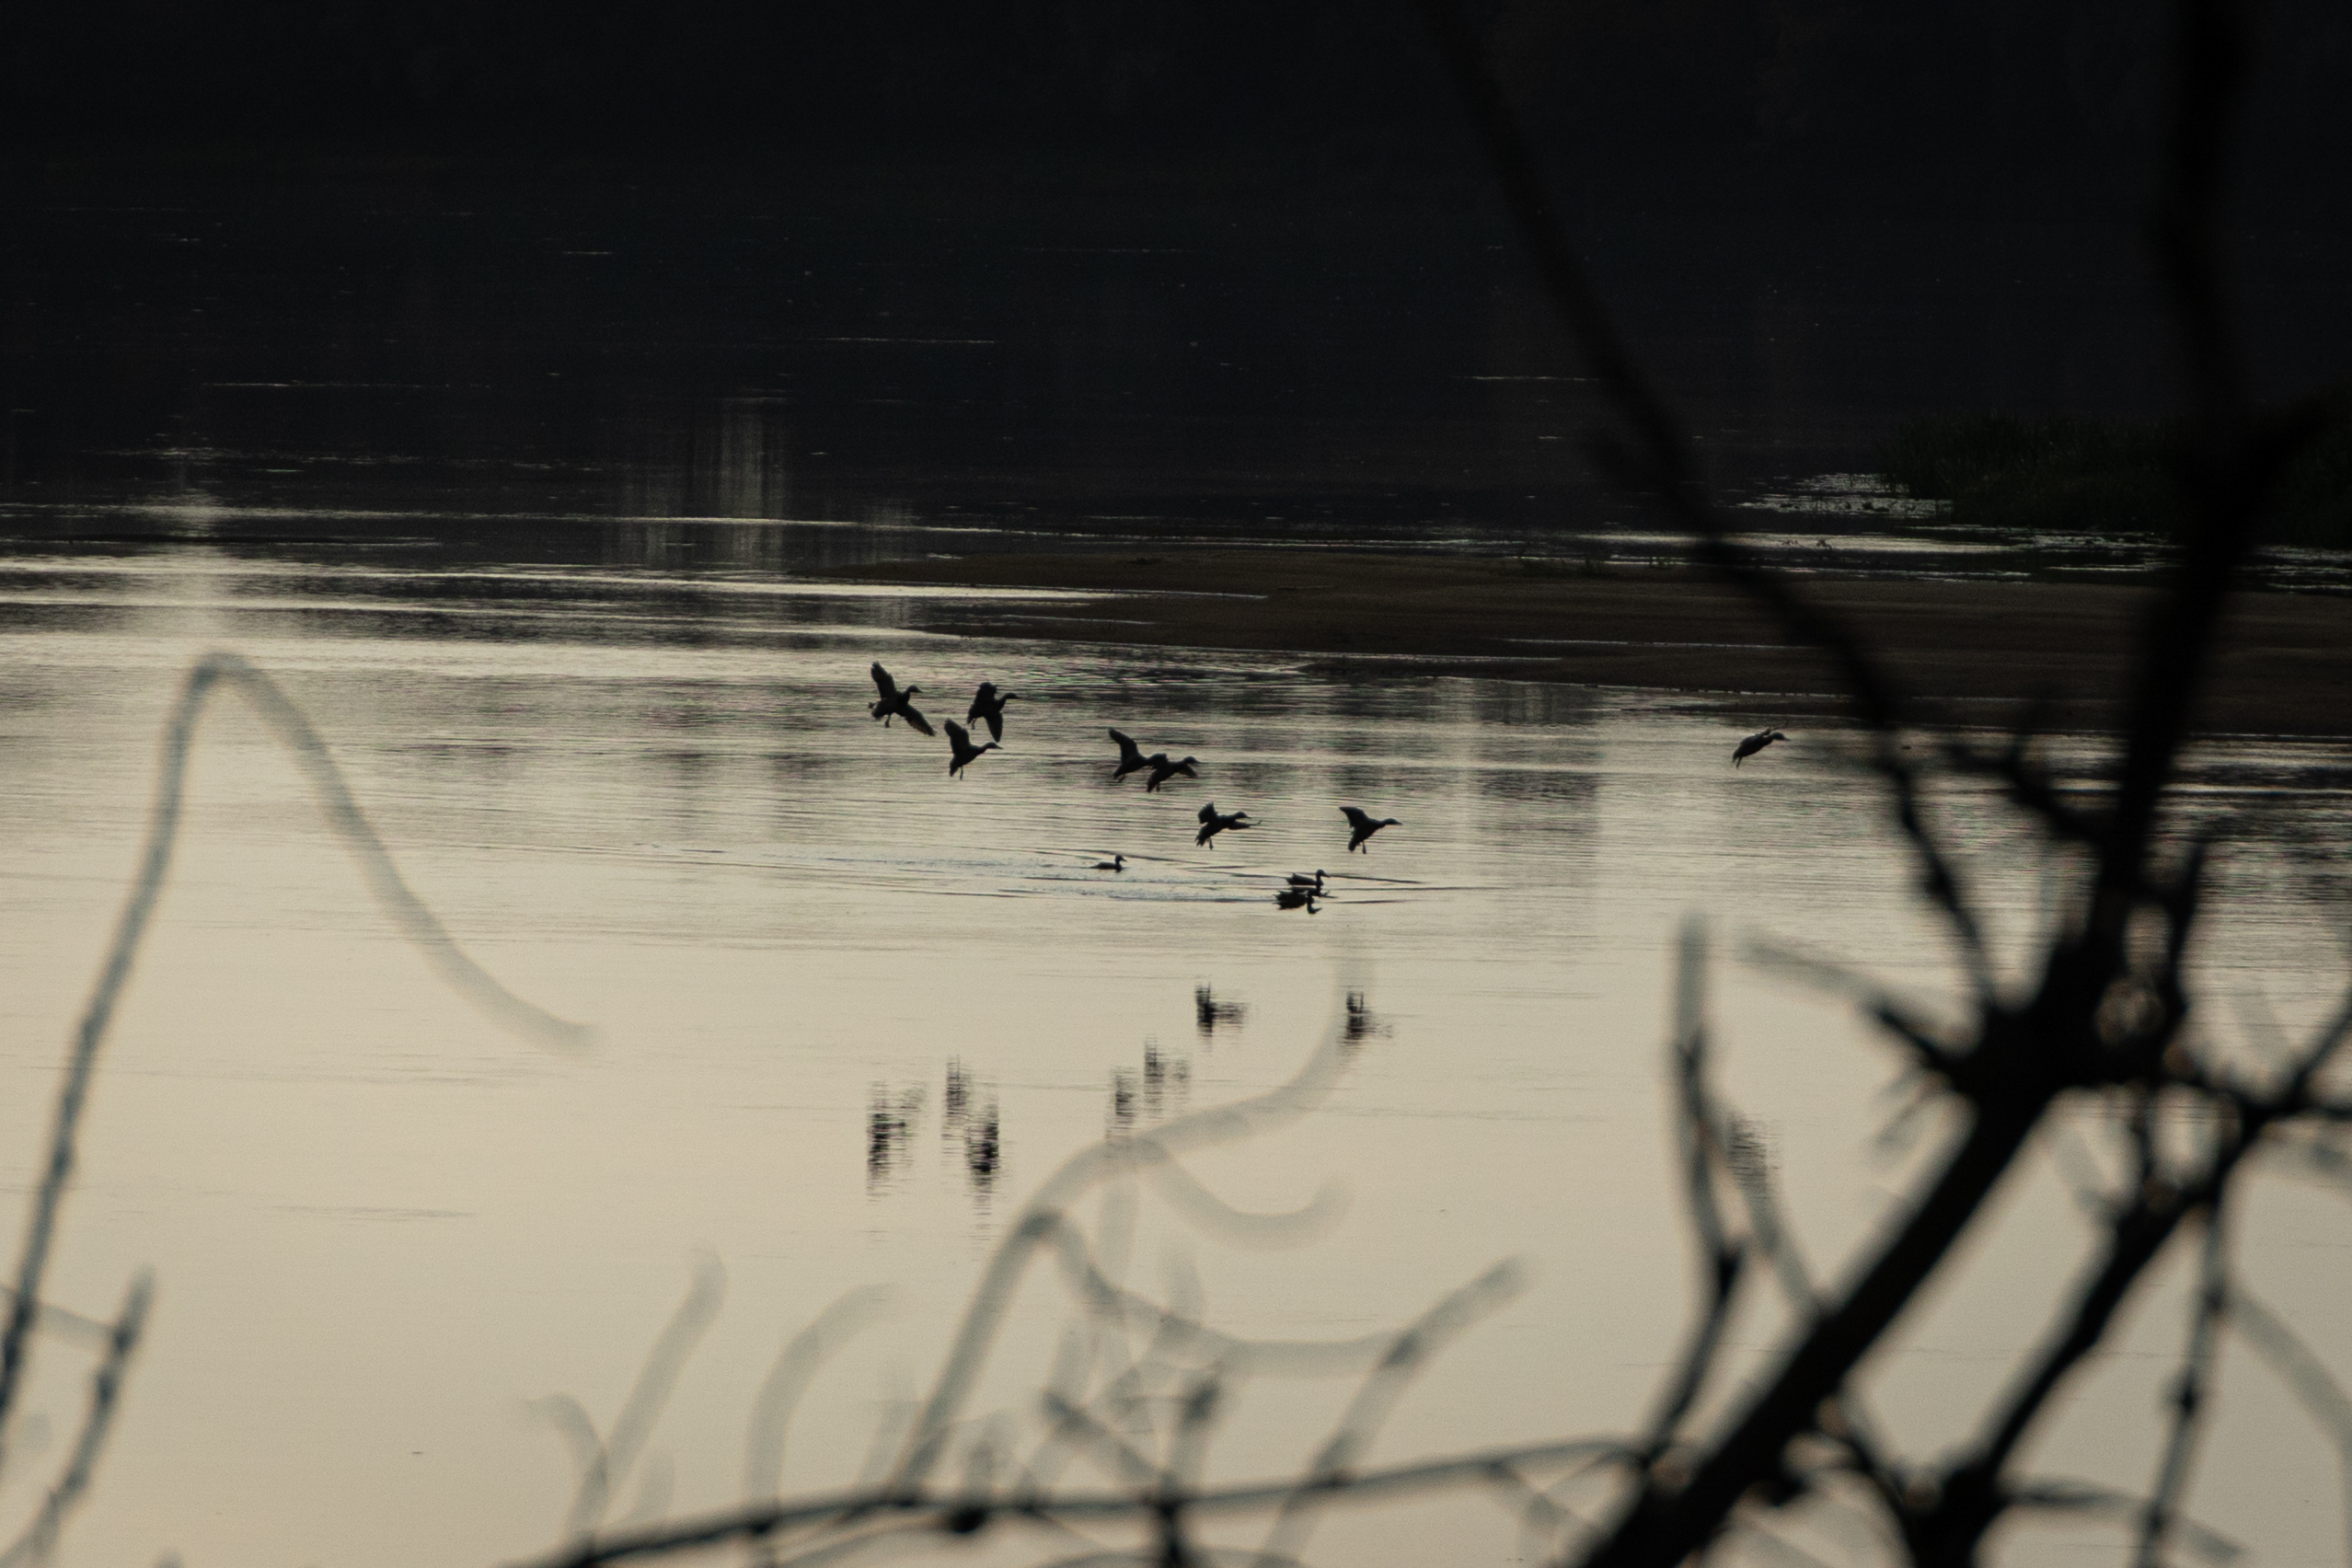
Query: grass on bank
[[2083, 476]]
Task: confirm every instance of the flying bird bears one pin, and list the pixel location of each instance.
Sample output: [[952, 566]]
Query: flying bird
[[988, 709], [1115, 863], [1214, 822], [1131, 756], [1162, 770], [959, 744], [1753, 744], [895, 704], [1366, 825]]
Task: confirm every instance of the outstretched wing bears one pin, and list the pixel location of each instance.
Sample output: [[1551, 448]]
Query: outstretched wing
[[1130, 754], [1356, 817], [1208, 812], [980, 701], [1185, 768], [922, 725], [882, 682], [958, 736], [994, 720]]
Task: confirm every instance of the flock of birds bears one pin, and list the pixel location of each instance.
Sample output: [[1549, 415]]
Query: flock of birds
[[895, 701]]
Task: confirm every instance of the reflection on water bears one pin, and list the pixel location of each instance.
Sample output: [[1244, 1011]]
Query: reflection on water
[[1160, 1089], [1363, 1023], [890, 1119], [970, 1128], [1209, 1015]]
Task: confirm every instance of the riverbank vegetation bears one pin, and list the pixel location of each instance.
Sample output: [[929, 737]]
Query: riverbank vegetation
[[2089, 476]]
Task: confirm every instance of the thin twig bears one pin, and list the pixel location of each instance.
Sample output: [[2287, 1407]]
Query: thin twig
[[416, 922], [1408, 1355], [758, 1521], [2306, 1378], [106, 1388], [1720, 1258], [616, 1453], [1044, 1220], [795, 1366], [2189, 1395]]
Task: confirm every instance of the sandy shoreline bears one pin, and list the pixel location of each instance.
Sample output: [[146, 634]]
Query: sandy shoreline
[[1971, 651]]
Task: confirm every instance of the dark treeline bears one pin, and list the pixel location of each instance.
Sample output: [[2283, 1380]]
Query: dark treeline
[[1947, 106]]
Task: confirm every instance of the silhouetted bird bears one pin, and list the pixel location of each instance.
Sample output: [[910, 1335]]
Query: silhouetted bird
[[895, 704], [1366, 825], [1315, 882], [988, 709], [1295, 898], [1115, 863], [1162, 770], [1131, 756], [1214, 822], [959, 744], [1753, 744]]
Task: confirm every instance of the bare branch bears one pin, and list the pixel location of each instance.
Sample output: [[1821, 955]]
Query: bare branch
[[1408, 1355], [106, 1388], [1660, 460], [1899, 1017], [2188, 1397], [2137, 1235], [946, 1509], [2083, 1497], [798, 1363], [1043, 1220], [1720, 1258], [2306, 1376], [416, 922], [616, 1453]]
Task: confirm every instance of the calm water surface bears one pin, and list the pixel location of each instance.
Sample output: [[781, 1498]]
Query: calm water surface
[[853, 1012]]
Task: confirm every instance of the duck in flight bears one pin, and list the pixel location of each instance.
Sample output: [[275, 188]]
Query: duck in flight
[[988, 708], [1753, 744], [963, 751], [1365, 826], [1115, 863], [895, 704], [1162, 770], [1214, 822], [1131, 756]]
